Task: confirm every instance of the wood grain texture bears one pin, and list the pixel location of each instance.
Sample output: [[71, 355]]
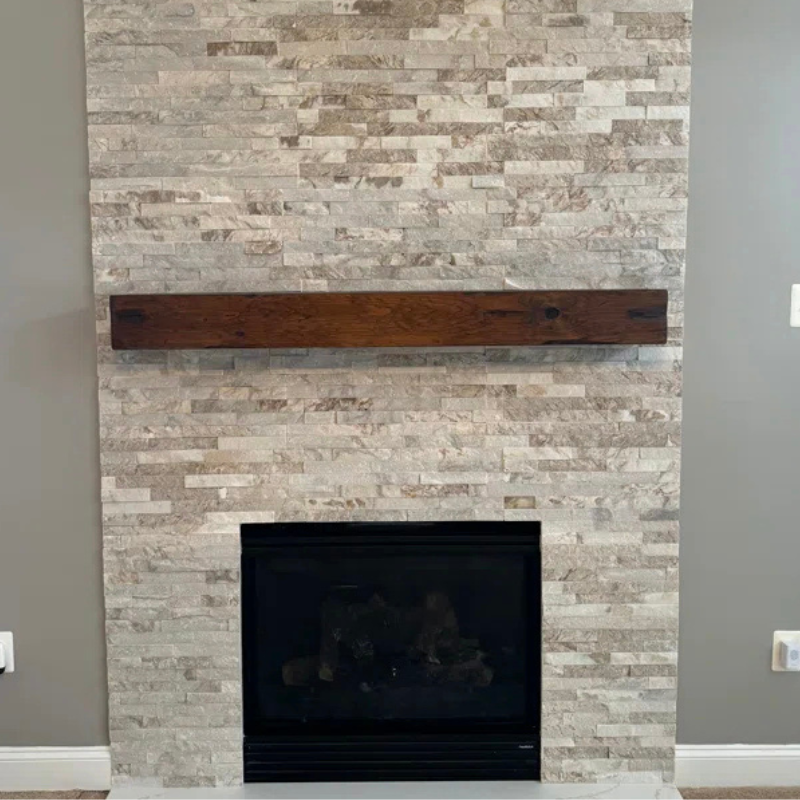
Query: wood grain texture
[[387, 319]]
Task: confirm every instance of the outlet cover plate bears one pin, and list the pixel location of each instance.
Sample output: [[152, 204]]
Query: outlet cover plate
[[7, 640], [778, 636], [794, 320]]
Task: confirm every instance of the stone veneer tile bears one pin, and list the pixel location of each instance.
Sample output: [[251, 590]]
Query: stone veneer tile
[[312, 145]]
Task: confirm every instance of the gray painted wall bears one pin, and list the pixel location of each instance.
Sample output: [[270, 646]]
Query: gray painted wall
[[50, 571], [740, 547], [739, 551]]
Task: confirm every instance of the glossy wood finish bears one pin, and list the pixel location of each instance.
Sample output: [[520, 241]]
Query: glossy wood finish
[[388, 319]]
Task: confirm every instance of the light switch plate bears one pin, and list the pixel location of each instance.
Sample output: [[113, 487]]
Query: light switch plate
[[7, 640], [794, 320], [778, 636]]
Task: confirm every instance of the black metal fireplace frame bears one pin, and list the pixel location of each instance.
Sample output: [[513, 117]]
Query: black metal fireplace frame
[[396, 750]]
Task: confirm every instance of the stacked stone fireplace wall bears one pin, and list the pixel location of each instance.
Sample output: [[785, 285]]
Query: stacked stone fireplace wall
[[345, 145]]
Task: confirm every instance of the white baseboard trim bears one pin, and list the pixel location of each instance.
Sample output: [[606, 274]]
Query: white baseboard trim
[[737, 765], [24, 769], [89, 768]]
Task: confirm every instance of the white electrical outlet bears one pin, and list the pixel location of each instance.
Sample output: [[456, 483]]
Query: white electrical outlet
[[7, 645], [786, 651], [794, 320]]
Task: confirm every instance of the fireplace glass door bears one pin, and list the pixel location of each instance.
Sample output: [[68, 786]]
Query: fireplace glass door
[[375, 631]]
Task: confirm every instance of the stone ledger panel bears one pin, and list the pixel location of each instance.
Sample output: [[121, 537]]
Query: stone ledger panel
[[389, 145]]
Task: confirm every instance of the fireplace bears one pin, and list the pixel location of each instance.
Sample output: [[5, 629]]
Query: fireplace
[[391, 651]]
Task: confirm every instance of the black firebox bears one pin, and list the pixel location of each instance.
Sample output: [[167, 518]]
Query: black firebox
[[392, 651]]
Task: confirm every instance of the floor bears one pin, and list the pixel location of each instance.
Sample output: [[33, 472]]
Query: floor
[[53, 795], [759, 793], [753, 793]]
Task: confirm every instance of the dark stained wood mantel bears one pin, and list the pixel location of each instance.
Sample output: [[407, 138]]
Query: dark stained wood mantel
[[387, 319]]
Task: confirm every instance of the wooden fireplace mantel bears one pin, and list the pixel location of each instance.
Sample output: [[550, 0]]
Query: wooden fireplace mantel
[[388, 319]]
